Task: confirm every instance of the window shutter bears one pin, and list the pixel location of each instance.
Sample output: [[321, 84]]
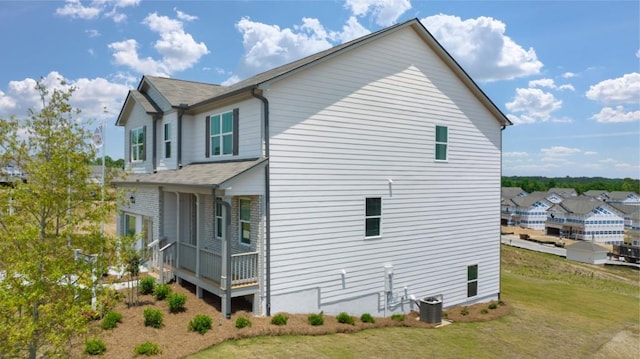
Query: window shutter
[[129, 147], [207, 135], [144, 143], [236, 129]]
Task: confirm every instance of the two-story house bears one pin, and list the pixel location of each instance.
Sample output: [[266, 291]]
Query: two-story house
[[337, 182]]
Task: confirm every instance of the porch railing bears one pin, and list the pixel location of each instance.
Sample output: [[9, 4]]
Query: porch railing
[[187, 257], [210, 265], [244, 268]]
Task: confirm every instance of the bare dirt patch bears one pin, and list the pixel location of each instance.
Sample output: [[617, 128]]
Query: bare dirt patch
[[176, 341]]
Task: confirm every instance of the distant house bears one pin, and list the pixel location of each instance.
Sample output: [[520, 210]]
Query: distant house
[[507, 207], [587, 252], [631, 222], [624, 197], [530, 211], [585, 218], [564, 192], [333, 183]]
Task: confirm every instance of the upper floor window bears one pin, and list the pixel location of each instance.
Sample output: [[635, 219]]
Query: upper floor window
[[137, 144], [442, 139], [222, 134], [245, 221], [167, 140], [373, 217]]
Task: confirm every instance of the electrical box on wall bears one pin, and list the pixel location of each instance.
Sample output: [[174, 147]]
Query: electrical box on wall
[[388, 278]]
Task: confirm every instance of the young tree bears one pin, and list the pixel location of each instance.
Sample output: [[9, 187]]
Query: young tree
[[44, 290]]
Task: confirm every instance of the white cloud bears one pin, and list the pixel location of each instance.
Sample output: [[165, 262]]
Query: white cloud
[[520, 120], [542, 83], [93, 33], [385, 12], [91, 96], [549, 83], [268, 46], [515, 154], [352, 29], [178, 49], [75, 10], [534, 103], [559, 151], [590, 153], [568, 75], [618, 114], [625, 89], [184, 16], [482, 48], [638, 54]]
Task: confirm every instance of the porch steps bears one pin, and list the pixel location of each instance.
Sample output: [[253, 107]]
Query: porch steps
[[168, 275]]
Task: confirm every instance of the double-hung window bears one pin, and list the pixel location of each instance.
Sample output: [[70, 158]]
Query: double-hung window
[[472, 280], [167, 140], [442, 140], [245, 221], [373, 217], [221, 134], [137, 144]]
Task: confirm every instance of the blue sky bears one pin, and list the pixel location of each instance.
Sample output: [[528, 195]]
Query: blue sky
[[565, 72]]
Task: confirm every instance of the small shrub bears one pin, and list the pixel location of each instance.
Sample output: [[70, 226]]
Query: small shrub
[[316, 319], [484, 311], [279, 319], [95, 347], [111, 320], [345, 318], [161, 291], [367, 318], [201, 323], [445, 315], [242, 322], [152, 317], [397, 317], [147, 284], [176, 302], [147, 348], [501, 303], [493, 306], [464, 311]]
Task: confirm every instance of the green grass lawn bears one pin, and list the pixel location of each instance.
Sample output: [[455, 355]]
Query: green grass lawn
[[560, 309]]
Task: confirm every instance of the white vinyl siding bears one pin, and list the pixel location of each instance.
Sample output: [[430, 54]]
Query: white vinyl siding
[[249, 134], [332, 145]]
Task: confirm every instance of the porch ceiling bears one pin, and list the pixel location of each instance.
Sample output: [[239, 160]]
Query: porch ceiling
[[197, 174]]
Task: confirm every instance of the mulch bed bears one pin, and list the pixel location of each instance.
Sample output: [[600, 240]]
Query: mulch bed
[[175, 340]]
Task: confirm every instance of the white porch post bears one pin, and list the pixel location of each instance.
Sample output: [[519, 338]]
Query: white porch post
[[197, 229], [178, 234]]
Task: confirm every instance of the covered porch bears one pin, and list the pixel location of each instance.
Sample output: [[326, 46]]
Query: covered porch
[[210, 218]]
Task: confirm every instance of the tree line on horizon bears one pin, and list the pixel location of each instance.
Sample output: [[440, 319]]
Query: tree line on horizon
[[580, 184]]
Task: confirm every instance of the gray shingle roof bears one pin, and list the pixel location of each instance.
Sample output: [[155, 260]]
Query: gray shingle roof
[[587, 246], [510, 192], [580, 205], [199, 174], [178, 92]]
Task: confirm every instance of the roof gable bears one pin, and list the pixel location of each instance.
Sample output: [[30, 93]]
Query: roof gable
[[263, 79]]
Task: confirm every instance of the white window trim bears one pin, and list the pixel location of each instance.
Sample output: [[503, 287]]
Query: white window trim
[[241, 221], [219, 216], [220, 135], [167, 139], [136, 145], [435, 137], [367, 217]]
